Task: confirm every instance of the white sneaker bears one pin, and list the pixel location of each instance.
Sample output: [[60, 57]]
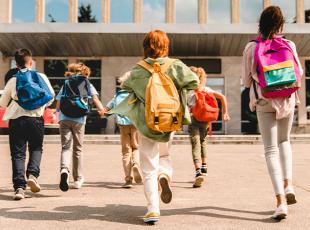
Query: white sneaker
[[280, 213], [78, 183], [290, 195]]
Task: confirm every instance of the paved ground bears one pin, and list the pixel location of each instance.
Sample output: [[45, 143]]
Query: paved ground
[[237, 195]]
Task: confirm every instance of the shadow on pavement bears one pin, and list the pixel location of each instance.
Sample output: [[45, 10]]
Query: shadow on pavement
[[108, 185], [126, 214]]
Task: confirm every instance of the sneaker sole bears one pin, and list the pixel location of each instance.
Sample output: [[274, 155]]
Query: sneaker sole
[[151, 220], [18, 197], [198, 182], [166, 194], [34, 187], [64, 186], [279, 217], [136, 175], [290, 198]]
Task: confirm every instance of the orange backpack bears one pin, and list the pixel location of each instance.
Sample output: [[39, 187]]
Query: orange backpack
[[206, 108], [163, 109]]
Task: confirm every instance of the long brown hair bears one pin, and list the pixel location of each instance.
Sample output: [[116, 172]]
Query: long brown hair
[[271, 22], [156, 44]]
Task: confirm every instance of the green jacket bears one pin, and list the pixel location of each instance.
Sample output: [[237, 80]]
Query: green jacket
[[134, 105]]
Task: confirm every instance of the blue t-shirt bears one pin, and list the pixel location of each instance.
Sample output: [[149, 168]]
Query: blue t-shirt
[[81, 120]]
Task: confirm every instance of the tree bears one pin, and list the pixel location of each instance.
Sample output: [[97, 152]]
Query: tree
[[85, 14]]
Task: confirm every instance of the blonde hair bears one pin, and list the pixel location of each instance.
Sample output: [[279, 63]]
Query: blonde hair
[[199, 71], [77, 69]]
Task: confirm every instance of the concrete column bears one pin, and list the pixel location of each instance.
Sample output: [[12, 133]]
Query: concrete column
[[40, 11], [231, 70], [106, 9], [5, 65], [202, 11], [73, 11], [170, 11], [137, 11], [266, 3], [235, 11], [39, 64], [300, 11], [6, 11]]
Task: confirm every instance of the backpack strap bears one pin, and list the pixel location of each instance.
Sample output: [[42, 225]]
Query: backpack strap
[[150, 68]]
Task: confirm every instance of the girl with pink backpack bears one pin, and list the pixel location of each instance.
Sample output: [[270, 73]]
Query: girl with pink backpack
[[272, 71]]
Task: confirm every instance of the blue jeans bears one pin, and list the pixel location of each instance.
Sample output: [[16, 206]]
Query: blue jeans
[[23, 131]]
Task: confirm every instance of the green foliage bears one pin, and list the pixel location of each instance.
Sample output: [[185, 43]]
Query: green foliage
[[85, 14]]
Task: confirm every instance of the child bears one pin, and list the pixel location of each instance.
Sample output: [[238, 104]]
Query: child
[[154, 146], [129, 139], [71, 127], [275, 114], [21, 119], [199, 130]]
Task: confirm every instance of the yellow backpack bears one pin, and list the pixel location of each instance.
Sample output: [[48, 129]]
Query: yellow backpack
[[163, 109]]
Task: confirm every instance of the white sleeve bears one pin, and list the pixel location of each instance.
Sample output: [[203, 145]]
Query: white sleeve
[[7, 93]]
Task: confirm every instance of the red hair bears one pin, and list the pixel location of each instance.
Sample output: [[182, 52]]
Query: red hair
[[156, 44]]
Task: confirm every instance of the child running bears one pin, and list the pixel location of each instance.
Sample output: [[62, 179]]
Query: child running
[[272, 59], [72, 121], [198, 129], [129, 139], [154, 146]]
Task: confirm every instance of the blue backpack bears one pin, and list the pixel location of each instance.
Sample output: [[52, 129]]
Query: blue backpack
[[32, 90], [74, 101]]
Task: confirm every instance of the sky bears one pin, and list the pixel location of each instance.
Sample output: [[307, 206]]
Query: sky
[[154, 10]]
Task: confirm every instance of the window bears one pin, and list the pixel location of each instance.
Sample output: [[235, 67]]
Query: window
[[217, 84], [250, 10], [307, 64], [89, 11], [95, 76], [56, 11], [249, 123], [186, 11], [55, 70], [121, 11], [23, 11], [307, 11], [210, 65], [219, 12], [154, 11], [288, 8]]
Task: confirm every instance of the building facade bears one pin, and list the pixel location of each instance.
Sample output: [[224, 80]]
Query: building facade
[[207, 33]]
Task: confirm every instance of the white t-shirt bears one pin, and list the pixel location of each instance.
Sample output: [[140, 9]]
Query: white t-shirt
[[14, 111], [191, 99]]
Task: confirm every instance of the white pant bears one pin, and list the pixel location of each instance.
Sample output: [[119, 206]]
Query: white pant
[[278, 151], [154, 160]]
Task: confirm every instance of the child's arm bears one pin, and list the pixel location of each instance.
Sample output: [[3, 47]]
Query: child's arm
[[222, 98], [97, 102]]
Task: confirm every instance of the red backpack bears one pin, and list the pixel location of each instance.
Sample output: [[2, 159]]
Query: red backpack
[[206, 108]]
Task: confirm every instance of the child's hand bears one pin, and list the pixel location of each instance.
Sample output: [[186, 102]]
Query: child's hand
[[102, 112], [226, 117]]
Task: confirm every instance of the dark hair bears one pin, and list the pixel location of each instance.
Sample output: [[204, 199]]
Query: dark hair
[[156, 44], [22, 57], [271, 22]]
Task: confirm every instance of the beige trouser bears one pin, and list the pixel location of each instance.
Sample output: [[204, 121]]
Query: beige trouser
[[129, 141], [154, 160], [72, 131]]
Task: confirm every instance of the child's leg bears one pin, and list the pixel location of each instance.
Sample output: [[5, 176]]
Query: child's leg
[[196, 147], [203, 129], [126, 151], [134, 145], [66, 140], [18, 153], [78, 138], [149, 163]]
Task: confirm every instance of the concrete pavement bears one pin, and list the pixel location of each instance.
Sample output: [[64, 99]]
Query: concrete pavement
[[237, 195]]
